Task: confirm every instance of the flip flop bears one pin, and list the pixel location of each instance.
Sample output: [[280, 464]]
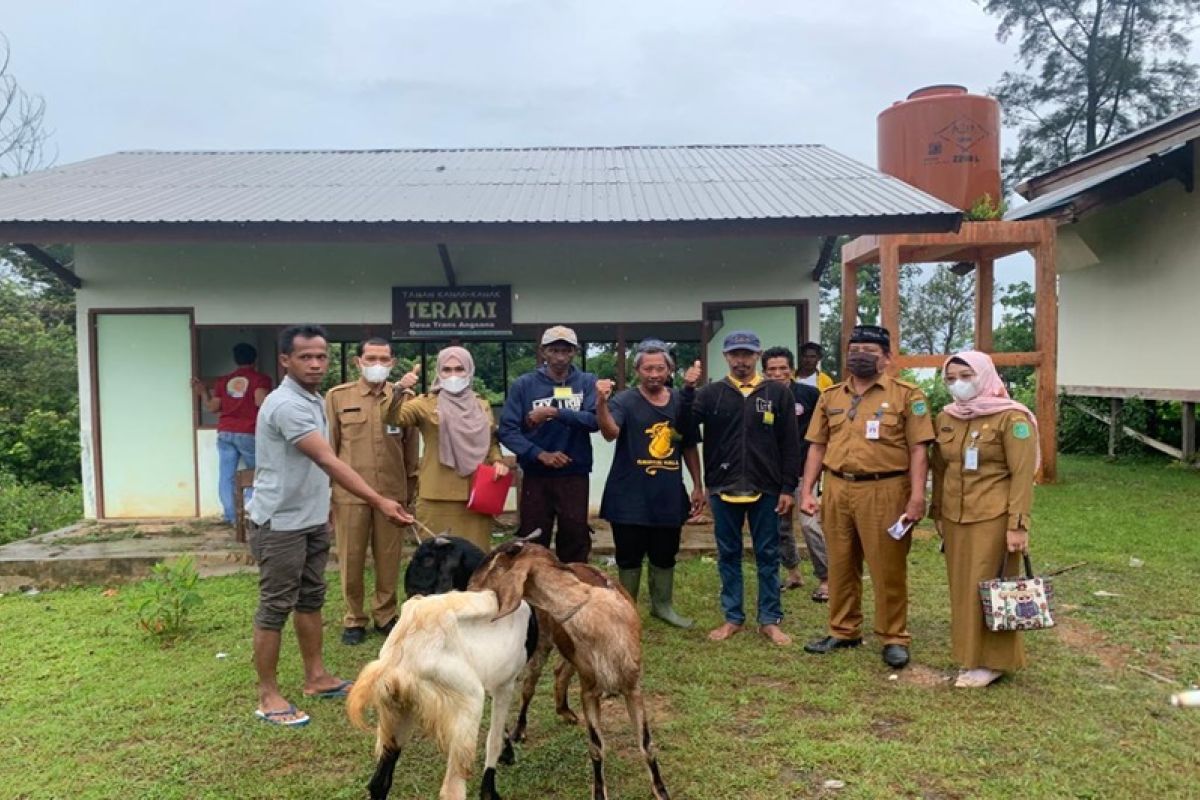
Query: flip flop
[[337, 692], [819, 595], [276, 717]]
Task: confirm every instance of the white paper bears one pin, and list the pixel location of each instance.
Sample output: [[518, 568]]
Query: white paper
[[900, 528]]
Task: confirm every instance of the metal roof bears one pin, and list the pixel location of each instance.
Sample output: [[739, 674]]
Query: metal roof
[[1062, 202], [1182, 126], [534, 185]]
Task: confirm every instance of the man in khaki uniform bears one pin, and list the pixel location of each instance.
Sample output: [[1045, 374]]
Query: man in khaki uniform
[[869, 434], [378, 452]]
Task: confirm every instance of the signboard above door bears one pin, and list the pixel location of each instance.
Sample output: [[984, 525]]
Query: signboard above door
[[443, 311]]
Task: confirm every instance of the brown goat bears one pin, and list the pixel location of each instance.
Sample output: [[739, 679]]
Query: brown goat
[[597, 630]]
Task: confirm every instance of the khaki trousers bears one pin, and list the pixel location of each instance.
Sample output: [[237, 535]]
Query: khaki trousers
[[453, 518], [973, 554], [855, 516], [357, 527]]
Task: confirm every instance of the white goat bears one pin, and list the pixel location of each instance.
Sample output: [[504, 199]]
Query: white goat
[[444, 654]]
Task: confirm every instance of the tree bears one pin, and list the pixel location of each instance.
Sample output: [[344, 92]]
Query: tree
[[1093, 71], [1015, 334], [937, 313], [23, 135]]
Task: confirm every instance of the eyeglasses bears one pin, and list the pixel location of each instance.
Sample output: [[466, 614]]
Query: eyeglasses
[[853, 410]]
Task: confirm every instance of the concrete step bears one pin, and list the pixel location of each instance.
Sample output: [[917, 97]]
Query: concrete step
[[102, 553]]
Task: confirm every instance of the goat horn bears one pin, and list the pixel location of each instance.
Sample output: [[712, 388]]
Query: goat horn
[[530, 537]]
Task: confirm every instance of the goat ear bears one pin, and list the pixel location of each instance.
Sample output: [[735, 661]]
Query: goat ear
[[529, 537], [510, 590], [440, 540]]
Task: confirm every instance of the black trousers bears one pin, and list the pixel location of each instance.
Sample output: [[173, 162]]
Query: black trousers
[[546, 499], [635, 542]]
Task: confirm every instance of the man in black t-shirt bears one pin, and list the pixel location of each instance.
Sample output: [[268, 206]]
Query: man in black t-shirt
[[644, 498], [778, 365]]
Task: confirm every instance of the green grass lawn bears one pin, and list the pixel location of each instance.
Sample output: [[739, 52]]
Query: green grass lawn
[[90, 708]]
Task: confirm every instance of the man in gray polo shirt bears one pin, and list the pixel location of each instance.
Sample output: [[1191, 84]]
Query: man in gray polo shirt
[[289, 521]]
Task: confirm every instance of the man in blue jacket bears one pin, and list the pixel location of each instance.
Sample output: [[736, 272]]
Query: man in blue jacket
[[548, 420]]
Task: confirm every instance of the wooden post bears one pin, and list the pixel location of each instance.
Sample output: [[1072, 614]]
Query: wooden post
[[889, 289], [849, 309], [985, 283], [1188, 445], [1046, 342], [1114, 424]]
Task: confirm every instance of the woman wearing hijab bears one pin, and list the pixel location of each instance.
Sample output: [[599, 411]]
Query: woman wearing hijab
[[459, 434], [983, 463]]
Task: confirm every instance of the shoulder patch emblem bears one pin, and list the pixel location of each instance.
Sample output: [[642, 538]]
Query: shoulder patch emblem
[[920, 408], [1021, 430]]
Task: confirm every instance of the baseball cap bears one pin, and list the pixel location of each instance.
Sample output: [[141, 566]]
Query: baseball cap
[[742, 340], [560, 333]]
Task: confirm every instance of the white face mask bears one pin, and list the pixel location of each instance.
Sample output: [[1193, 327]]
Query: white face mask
[[964, 390], [376, 373], [455, 384]]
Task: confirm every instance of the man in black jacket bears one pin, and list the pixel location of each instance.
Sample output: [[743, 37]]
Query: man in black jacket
[[778, 365], [751, 467]]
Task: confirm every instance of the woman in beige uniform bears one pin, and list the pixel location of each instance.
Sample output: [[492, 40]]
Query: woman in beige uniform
[[983, 466], [459, 434]]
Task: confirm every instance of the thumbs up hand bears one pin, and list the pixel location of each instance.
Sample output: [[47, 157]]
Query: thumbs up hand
[[693, 374], [410, 378]]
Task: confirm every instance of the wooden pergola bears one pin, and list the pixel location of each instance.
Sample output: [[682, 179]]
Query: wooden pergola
[[980, 243]]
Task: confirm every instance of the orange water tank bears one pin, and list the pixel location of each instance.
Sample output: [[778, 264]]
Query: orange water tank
[[945, 141]]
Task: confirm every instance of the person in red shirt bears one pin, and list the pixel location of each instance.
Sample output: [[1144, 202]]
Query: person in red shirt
[[235, 398]]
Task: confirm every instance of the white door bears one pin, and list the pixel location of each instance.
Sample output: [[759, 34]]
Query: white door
[[147, 442]]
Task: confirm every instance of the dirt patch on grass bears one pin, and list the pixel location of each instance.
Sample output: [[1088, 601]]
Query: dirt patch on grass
[[1078, 635], [921, 675], [888, 728]]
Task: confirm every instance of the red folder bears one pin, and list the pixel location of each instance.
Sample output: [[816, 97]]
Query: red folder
[[488, 495]]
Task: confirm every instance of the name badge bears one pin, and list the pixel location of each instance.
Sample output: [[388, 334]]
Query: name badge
[[872, 429], [562, 392], [768, 418], [393, 430], [971, 459]]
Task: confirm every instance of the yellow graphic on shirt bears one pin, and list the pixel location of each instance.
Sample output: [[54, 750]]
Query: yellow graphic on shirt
[[660, 440], [661, 448]]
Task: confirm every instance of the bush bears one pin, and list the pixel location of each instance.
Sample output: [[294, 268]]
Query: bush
[[166, 600], [27, 509], [43, 447]]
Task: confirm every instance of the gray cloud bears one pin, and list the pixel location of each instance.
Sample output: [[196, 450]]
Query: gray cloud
[[125, 74]]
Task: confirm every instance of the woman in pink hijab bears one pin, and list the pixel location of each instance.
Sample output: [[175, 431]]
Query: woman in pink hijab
[[459, 434], [983, 465]]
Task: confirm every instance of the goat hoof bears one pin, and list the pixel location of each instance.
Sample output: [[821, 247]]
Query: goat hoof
[[568, 716], [507, 756], [517, 736]]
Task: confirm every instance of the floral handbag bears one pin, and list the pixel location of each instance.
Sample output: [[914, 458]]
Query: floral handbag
[[1019, 603]]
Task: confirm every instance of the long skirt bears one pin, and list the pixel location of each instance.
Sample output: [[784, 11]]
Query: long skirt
[[973, 554], [453, 518]]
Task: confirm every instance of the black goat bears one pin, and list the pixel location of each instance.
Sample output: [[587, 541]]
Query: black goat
[[441, 564]]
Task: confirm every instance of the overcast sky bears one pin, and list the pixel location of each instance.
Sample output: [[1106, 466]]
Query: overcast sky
[[122, 75]]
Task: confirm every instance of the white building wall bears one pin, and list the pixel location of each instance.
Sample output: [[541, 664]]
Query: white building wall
[[1129, 320], [570, 282]]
